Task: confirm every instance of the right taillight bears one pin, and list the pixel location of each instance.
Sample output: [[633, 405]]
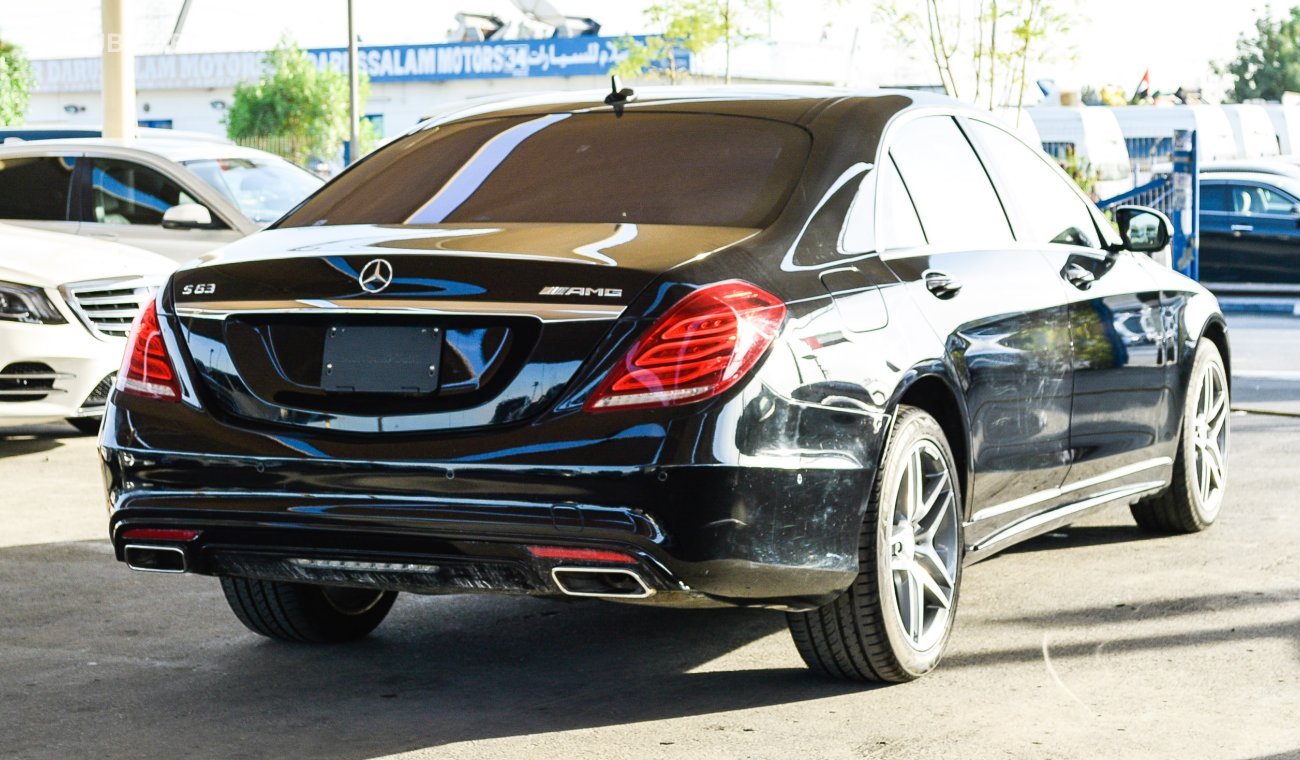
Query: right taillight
[[147, 370], [699, 348]]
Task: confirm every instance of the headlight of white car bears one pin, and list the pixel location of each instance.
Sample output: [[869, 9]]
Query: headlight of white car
[[24, 303]]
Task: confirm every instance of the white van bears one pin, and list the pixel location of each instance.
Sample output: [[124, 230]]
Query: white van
[[1149, 132], [1093, 135], [1286, 124], [1253, 131]]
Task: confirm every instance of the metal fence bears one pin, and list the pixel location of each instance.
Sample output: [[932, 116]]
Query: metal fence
[[1061, 151], [290, 148], [1145, 153]]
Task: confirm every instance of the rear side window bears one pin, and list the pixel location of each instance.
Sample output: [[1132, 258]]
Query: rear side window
[[948, 184], [1215, 198], [644, 168], [901, 227], [1044, 207], [35, 188], [124, 192]]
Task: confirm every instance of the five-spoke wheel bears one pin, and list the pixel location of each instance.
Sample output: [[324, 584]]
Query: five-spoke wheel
[[923, 550], [1195, 495], [893, 623]]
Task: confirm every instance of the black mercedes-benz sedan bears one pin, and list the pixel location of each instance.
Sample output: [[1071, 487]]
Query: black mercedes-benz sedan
[[809, 350]]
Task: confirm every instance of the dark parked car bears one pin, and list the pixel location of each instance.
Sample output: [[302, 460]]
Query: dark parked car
[[805, 350], [1250, 231]]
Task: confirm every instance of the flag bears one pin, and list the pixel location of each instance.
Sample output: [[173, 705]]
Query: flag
[[1144, 87]]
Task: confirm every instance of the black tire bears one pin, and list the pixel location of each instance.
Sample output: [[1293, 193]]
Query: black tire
[[86, 425], [303, 613], [1187, 507], [860, 635]]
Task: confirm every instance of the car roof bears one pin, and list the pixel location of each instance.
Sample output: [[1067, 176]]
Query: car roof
[[170, 149], [31, 133], [790, 103], [1257, 167], [1289, 183]]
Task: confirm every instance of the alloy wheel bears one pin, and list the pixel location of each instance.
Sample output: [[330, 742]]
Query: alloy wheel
[[923, 549], [1210, 439]]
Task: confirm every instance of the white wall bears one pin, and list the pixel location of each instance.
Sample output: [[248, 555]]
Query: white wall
[[402, 104]]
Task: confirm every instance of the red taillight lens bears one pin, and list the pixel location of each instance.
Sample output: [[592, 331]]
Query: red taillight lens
[[147, 369], [699, 348]]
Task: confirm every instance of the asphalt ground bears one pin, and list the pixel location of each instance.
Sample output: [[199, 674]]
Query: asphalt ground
[[1097, 641]]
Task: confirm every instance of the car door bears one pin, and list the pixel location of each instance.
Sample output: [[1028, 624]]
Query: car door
[[1117, 327], [36, 191], [997, 307], [124, 201], [1254, 239], [1219, 242]]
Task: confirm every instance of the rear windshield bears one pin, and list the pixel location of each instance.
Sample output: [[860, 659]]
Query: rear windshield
[[642, 168]]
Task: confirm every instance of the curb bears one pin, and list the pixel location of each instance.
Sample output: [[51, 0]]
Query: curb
[[1287, 308]]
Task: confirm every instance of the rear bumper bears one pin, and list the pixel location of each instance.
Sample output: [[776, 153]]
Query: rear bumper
[[746, 536]]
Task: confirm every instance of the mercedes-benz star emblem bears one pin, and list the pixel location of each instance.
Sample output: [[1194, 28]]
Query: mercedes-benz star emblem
[[376, 276]]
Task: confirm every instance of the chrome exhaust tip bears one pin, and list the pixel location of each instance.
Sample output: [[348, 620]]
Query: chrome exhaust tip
[[601, 582], [154, 559]]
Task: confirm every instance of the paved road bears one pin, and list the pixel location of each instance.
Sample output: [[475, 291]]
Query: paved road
[[1266, 362], [1096, 641]]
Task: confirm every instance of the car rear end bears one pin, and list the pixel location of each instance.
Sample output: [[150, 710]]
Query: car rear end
[[486, 441], [513, 354]]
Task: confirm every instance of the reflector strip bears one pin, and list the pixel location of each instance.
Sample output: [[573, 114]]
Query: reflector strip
[[160, 534], [593, 555]]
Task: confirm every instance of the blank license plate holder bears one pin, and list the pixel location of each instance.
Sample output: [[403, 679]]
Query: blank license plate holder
[[399, 360]]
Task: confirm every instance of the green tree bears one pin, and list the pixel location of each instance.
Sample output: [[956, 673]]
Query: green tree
[[981, 48], [294, 108], [16, 82], [692, 25], [1268, 60]]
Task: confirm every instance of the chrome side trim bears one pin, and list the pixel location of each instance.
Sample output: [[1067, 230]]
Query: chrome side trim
[[546, 312], [1052, 493], [1029, 524]]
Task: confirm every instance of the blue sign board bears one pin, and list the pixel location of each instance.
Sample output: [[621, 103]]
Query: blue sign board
[[552, 57]]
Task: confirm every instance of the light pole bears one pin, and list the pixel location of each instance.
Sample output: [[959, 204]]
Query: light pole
[[119, 73], [353, 87]]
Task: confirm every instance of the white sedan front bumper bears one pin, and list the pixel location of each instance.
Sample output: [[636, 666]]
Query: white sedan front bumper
[[53, 372]]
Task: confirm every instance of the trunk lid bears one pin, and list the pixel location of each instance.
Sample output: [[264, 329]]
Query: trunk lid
[[389, 328]]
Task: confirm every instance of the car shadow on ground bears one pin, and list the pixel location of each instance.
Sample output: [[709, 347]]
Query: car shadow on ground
[[1076, 536], [34, 439], [167, 659], [1088, 622]]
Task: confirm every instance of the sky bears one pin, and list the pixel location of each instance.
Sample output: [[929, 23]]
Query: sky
[[1113, 41]]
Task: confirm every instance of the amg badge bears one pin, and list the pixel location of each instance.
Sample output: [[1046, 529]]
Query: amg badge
[[561, 290]]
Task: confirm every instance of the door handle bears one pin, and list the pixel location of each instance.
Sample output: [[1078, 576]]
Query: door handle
[[941, 284], [1243, 228], [1079, 276]]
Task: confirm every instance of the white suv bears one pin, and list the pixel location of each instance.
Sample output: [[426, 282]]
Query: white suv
[[66, 305]]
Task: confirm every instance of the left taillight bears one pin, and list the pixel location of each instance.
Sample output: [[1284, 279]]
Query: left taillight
[[699, 348], [147, 370]]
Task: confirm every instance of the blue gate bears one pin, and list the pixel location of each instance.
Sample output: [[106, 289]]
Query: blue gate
[[1178, 195]]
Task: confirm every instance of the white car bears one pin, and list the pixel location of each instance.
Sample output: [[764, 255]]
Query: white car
[[179, 198], [66, 305]]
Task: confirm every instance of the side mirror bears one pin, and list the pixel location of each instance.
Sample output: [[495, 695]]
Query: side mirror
[[187, 216], [1144, 230]]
